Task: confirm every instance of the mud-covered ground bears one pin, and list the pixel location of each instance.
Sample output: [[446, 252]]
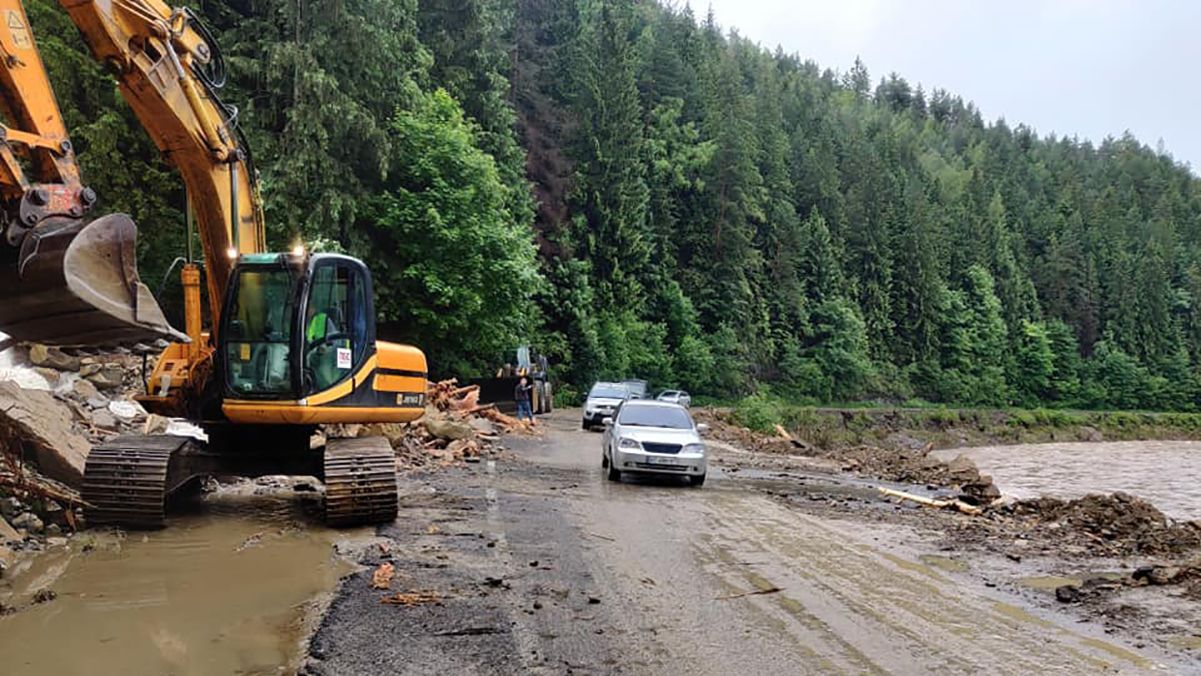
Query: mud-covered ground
[[779, 564], [532, 562]]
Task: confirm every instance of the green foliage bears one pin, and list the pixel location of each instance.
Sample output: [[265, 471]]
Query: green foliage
[[709, 214], [440, 241], [760, 411], [1034, 365]]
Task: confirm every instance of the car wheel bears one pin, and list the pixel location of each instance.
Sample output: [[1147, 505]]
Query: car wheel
[[697, 480], [586, 426], [614, 474]]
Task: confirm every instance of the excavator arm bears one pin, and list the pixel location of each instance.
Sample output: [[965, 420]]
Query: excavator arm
[[63, 279]]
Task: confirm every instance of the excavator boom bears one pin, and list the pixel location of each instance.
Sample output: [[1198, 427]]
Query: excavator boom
[[68, 280]]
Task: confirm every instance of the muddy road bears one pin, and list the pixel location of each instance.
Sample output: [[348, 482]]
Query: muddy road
[[534, 563], [540, 565]]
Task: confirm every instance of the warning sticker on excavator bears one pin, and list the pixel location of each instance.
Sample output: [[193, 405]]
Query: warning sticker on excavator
[[344, 358], [17, 28]]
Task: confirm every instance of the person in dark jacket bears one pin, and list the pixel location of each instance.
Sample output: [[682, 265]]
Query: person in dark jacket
[[521, 394]]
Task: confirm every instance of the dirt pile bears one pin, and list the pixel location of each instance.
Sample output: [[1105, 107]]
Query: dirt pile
[[455, 429], [723, 429], [1114, 525], [900, 464]]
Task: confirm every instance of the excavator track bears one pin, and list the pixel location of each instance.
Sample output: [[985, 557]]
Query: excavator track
[[360, 482], [126, 481]]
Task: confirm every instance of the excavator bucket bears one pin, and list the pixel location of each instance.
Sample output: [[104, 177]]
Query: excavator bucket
[[76, 283]]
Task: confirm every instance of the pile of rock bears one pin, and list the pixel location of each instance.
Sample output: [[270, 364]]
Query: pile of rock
[[1116, 524], [456, 428], [54, 405], [96, 386]]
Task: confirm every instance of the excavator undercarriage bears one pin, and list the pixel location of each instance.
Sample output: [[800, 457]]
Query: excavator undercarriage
[[130, 480]]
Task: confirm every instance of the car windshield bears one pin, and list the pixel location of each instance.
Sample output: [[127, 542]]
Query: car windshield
[[608, 392], [670, 417]]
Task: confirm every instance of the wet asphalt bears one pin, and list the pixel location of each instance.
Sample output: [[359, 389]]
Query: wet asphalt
[[534, 563]]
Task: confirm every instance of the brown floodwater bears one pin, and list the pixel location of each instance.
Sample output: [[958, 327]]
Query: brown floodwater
[[1167, 473], [226, 589]]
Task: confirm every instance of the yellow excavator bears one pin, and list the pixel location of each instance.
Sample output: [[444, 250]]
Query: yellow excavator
[[292, 343]]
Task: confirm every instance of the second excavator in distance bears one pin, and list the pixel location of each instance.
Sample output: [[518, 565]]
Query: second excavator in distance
[[292, 344]]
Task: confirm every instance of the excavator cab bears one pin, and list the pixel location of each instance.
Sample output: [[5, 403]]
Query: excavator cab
[[295, 326], [297, 346]]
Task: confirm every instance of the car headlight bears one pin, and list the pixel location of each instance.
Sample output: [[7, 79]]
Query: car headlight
[[694, 448], [629, 443]]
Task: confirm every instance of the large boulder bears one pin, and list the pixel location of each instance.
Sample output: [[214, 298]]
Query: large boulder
[[52, 357], [444, 428], [106, 376], [34, 423]]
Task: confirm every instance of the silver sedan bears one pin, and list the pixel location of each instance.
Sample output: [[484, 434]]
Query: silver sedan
[[654, 437]]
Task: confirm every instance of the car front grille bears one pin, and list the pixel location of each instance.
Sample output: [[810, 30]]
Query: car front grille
[[660, 468], [651, 447]]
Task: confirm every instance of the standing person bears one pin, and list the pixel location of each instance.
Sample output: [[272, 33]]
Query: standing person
[[522, 394]]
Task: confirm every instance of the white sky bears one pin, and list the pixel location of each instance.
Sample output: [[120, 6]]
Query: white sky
[[1087, 68]]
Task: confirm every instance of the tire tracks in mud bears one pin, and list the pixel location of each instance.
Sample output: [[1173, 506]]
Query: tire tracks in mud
[[649, 578]]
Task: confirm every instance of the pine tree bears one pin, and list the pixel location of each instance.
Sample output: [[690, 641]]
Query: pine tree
[[610, 192]]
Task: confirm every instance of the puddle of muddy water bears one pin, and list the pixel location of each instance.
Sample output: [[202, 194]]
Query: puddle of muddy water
[[1166, 473], [225, 590]]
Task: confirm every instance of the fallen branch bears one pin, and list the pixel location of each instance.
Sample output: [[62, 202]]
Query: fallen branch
[[945, 503], [756, 592], [415, 598]]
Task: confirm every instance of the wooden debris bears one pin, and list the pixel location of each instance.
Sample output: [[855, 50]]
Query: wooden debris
[[782, 433], [412, 598], [382, 577], [945, 503]]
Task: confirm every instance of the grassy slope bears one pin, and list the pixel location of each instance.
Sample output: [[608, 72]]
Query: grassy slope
[[950, 427]]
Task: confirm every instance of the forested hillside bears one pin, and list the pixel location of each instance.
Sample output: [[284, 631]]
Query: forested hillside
[[643, 192]]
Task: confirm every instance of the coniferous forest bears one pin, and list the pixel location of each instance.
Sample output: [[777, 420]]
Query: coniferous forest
[[638, 190]]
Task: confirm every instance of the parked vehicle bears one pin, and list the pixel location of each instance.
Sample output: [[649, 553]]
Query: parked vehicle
[[676, 397], [654, 437], [529, 364], [637, 388], [603, 400]]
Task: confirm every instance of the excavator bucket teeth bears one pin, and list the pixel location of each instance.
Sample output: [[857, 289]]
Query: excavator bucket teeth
[[77, 284]]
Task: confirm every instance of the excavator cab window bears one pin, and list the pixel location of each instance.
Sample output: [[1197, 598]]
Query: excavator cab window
[[335, 324], [258, 344]]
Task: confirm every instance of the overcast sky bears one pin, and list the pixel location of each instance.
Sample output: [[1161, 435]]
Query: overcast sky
[[1087, 68]]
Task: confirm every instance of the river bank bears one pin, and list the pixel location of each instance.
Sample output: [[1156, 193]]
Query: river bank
[[831, 428]]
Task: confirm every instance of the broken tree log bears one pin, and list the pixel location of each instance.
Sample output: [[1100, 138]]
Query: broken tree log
[[945, 503]]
